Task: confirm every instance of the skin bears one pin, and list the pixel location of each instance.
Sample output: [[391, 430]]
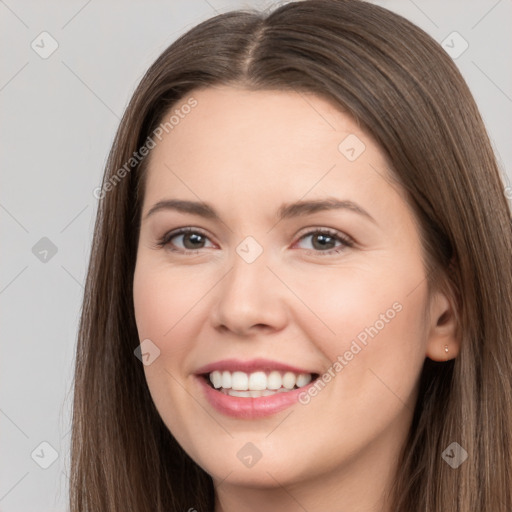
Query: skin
[[246, 153]]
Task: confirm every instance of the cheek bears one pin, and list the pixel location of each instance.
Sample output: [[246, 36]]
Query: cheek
[[369, 324], [163, 302], [361, 303], [376, 353], [164, 297]]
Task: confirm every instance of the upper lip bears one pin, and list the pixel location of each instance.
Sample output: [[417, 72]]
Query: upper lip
[[250, 366]]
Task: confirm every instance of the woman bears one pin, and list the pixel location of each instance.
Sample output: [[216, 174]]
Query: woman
[[280, 372]]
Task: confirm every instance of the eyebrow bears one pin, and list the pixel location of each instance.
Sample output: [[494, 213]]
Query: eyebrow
[[309, 207], [286, 211]]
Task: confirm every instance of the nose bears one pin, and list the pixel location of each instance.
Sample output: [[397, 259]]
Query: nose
[[250, 299]]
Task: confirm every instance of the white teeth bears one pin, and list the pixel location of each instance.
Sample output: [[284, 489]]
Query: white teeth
[[289, 380], [240, 381], [232, 392], [252, 394], [216, 379], [303, 379], [226, 380], [257, 383], [274, 380]]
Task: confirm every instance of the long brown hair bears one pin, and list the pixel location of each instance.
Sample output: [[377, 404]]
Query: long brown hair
[[407, 93]]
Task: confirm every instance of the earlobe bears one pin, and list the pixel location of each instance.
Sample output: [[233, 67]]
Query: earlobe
[[443, 342]]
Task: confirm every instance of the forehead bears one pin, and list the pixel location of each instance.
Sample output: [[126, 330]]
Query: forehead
[[258, 138], [268, 118]]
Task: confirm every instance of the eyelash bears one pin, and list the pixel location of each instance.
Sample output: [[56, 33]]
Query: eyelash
[[345, 240]]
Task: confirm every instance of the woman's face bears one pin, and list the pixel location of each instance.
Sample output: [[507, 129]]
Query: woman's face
[[271, 288]]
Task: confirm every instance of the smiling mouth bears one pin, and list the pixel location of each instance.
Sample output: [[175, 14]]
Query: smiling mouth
[[257, 384]]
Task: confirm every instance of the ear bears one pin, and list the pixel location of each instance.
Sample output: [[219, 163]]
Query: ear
[[443, 342]]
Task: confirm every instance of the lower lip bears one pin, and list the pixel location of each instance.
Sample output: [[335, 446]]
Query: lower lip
[[248, 407]]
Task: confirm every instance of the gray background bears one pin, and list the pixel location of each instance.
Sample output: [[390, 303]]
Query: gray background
[[58, 119]]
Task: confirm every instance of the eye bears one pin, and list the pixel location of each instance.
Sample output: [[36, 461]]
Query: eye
[[323, 240], [192, 239]]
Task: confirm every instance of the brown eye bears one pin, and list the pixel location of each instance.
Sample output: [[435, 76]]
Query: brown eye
[[192, 240], [184, 240], [324, 242]]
